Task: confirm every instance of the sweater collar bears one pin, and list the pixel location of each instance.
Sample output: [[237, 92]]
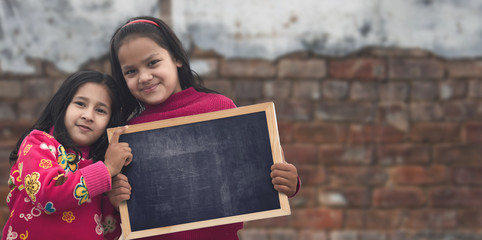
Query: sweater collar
[[175, 101]]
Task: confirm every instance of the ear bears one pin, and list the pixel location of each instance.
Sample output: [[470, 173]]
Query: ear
[[178, 64]]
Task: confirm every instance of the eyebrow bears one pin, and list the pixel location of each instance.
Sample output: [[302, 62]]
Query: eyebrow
[[147, 59], [87, 100]]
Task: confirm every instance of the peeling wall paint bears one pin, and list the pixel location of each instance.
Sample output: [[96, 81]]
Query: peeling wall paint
[[270, 28], [69, 33]]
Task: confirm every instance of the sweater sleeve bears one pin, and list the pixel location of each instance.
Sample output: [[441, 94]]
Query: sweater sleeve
[[51, 177]]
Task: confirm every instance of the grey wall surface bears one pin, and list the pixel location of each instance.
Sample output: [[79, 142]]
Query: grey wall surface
[[70, 33]]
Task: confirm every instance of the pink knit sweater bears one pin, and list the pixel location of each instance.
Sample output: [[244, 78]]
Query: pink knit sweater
[[52, 197], [185, 103]]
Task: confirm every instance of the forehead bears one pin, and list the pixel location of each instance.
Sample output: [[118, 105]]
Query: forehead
[[94, 92], [138, 48]]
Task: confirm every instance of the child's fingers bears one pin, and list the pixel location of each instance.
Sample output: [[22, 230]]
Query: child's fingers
[[282, 166], [116, 134]]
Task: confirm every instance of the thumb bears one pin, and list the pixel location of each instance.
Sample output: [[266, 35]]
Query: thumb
[[115, 136]]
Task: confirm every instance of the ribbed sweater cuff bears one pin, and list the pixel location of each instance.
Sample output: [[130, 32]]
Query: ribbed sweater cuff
[[298, 186], [97, 178]]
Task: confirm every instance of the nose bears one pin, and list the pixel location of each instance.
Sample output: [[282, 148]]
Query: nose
[[145, 76], [88, 114]]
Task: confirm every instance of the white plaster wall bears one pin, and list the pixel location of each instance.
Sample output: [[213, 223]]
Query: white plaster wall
[[66, 32], [270, 28], [69, 33]]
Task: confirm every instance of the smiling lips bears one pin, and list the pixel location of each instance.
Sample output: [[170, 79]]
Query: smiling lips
[[149, 89], [84, 128]]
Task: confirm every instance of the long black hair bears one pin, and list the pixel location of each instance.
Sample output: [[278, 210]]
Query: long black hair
[[54, 114], [165, 37]]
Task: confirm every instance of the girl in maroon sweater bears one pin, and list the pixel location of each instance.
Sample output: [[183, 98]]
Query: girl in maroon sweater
[[157, 83]]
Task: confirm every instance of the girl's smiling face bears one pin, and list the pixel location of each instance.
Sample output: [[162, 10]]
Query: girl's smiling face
[[149, 70], [88, 113]]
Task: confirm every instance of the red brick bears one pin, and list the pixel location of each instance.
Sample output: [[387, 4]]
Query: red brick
[[301, 68], [334, 89], [247, 68], [458, 155], [430, 219], [309, 90], [354, 219], [342, 155], [447, 197], [453, 89], [279, 89], [424, 90], [475, 89], [300, 153], [464, 68], [346, 111], [435, 132], [394, 91], [357, 176], [383, 219], [472, 132], [347, 197], [248, 89], [307, 234], [467, 175], [374, 134], [285, 131], [13, 130], [295, 109], [455, 110], [406, 68], [364, 91], [10, 89], [393, 114], [311, 175], [419, 175], [358, 68], [305, 198], [402, 154], [426, 111], [30, 109], [471, 218], [317, 218], [223, 87], [398, 197], [320, 133]]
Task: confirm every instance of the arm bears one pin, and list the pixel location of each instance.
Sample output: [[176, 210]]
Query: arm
[[52, 180]]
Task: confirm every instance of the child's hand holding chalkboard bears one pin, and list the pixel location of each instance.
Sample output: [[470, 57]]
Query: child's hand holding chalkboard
[[121, 190], [284, 177], [118, 154]]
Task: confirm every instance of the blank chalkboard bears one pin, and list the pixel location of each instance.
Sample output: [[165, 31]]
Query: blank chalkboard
[[202, 170]]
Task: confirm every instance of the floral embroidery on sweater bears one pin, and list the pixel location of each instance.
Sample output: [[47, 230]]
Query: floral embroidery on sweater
[[32, 185]]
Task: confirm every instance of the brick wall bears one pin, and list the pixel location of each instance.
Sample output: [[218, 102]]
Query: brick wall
[[386, 140]]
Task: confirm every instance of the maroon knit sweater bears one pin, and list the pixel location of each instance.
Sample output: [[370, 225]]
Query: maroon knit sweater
[[185, 103]]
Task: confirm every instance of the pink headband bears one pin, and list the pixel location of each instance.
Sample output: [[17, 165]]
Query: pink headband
[[142, 20]]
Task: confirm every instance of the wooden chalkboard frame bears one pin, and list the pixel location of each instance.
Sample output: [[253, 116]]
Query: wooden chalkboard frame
[[268, 109]]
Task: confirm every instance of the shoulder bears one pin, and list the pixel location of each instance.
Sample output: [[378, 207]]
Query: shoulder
[[37, 136], [218, 101]]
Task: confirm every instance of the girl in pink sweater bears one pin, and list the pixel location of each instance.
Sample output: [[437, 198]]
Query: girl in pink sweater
[[157, 83], [64, 164]]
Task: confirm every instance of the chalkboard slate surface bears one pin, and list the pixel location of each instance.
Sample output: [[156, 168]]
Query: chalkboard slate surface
[[193, 174]]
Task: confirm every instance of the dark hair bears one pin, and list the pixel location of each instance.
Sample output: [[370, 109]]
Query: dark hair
[[54, 114], [165, 38]]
